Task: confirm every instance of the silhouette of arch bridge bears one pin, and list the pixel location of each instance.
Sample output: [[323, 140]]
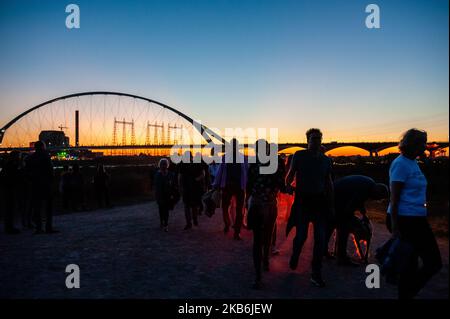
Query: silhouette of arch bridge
[[103, 120]]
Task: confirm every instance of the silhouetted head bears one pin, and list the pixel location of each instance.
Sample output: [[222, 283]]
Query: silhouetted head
[[413, 143], [379, 191], [314, 139], [163, 164], [39, 146]]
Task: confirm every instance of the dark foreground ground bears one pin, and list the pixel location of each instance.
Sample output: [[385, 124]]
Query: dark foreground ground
[[122, 253]]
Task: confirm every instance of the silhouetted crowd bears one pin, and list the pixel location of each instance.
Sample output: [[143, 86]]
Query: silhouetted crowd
[[249, 198]]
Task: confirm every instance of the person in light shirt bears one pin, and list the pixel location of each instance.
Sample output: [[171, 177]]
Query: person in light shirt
[[407, 211]]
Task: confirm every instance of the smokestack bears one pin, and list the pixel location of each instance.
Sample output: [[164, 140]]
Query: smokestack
[[77, 128]]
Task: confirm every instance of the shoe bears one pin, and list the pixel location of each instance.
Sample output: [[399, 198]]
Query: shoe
[[317, 281], [347, 262], [293, 262], [166, 229], [188, 226], [226, 229], [12, 231], [52, 231], [237, 237]]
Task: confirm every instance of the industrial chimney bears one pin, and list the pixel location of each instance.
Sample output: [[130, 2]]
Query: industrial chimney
[[77, 128]]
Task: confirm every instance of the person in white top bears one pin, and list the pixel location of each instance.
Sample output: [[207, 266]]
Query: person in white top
[[407, 211]]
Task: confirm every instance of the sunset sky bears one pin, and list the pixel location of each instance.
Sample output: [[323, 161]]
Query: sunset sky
[[240, 63]]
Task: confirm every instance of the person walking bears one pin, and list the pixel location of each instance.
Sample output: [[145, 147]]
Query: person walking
[[407, 214], [313, 201]]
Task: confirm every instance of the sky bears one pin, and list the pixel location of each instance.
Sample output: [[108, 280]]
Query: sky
[[240, 63]]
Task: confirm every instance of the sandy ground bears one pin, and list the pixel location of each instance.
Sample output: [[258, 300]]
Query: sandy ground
[[122, 253]]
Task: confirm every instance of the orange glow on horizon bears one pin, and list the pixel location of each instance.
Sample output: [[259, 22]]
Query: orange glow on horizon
[[389, 150], [347, 151]]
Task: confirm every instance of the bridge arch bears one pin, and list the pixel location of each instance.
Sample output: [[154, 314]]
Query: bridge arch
[[206, 133], [347, 150]]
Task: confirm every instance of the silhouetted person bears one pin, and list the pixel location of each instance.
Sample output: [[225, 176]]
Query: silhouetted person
[[77, 187], [65, 186], [191, 179], [350, 195], [40, 171], [164, 192], [231, 178], [407, 214], [101, 183], [10, 179], [313, 201], [262, 191], [25, 202]]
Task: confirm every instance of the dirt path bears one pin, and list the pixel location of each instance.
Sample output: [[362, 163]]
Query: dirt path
[[122, 253]]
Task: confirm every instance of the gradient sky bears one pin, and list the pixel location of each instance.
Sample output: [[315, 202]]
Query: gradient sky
[[240, 63]]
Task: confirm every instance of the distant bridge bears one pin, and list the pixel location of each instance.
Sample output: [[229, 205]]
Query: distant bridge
[[372, 147], [101, 120]]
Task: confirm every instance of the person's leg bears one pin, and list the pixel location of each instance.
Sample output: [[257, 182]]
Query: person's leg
[[257, 245], [270, 216], [188, 215], [226, 199], [98, 196], [408, 229], [342, 233], [9, 213], [195, 212], [166, 216], [422, 238], [301, 234], [36, 213], [65, 198], [161, 214], [106, 194], [49, 214], [330, 227], [239, 196], [319, 243]]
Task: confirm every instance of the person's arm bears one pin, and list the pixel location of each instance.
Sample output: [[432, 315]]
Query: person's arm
[[250, 182], [362, 210], [396, 189], [180, 180], [291, 174], [330, 193], [218, 178], [201, 176]]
